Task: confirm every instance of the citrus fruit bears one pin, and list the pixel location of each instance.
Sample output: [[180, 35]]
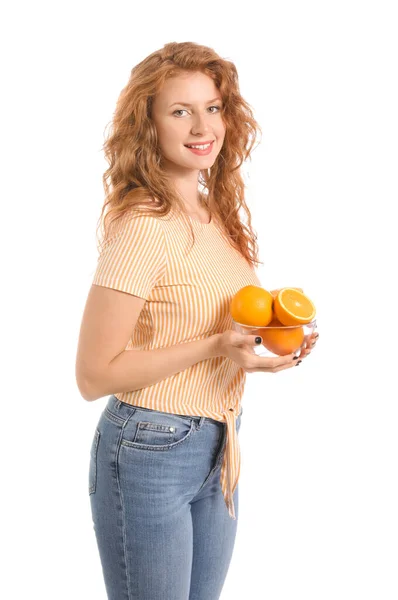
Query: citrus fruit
[[292, 307], [252, 305], [281, 340], [275, 292]]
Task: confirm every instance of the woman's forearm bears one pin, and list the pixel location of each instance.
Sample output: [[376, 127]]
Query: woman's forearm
[[135, 369]]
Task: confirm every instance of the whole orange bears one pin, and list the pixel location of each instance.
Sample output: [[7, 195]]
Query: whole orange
[[281, 340], [252, 305]]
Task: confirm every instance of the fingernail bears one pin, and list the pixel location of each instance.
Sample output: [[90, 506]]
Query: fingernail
[[258, 340], [297, 364], [295, 358]]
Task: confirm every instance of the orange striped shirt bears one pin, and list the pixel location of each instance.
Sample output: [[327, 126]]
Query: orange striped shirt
[[187, 295]]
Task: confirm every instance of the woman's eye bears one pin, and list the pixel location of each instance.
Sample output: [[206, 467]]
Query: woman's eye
[[184, 110]]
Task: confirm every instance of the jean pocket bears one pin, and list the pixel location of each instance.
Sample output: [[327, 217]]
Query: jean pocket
[[156, 431], [92, 474]]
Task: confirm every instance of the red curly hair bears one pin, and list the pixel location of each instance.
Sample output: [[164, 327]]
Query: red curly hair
[[135, 177]]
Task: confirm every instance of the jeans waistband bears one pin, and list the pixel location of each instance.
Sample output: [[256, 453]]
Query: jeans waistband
[[196, 418]]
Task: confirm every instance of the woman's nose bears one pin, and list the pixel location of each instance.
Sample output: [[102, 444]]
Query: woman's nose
[[201, 125]]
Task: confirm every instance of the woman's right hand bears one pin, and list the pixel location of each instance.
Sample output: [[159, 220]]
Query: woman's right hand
[[239, 348]]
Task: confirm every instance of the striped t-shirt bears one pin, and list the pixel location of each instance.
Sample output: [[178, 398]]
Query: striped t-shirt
[[188, 296]]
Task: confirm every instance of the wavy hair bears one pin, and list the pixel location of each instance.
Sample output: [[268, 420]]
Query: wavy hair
[[135, 177]]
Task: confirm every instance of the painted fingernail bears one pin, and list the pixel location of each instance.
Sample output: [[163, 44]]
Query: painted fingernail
[[297, 364], [295, 358]]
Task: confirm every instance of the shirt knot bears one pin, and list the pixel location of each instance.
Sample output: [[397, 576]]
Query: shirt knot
[[230, 468]]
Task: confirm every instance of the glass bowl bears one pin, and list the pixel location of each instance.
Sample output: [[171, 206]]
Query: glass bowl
[[278, 340]]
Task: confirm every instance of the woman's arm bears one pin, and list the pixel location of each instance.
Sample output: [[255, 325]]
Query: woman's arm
[[103, 366], [135, 369]]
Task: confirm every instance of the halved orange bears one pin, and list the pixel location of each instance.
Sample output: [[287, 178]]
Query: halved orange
[[252, 305], [292, 307], [283, 340]]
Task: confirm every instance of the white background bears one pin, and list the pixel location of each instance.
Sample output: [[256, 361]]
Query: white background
[[318, 487]]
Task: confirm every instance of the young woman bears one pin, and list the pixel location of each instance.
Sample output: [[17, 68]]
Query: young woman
[[156, 332]]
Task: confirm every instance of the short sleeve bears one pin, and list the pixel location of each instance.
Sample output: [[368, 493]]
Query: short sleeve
[[134, 258]]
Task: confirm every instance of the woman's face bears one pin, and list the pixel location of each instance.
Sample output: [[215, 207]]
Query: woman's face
[[196, 123]]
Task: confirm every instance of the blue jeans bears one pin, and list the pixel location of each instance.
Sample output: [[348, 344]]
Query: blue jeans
[[161, 523]]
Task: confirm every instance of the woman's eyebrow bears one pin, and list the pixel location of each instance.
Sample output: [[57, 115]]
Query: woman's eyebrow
[[185, 104]]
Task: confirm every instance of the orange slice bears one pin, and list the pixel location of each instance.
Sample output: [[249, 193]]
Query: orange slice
[[292, 307]]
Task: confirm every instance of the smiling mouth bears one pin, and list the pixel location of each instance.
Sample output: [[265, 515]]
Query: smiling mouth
[[207, 146]]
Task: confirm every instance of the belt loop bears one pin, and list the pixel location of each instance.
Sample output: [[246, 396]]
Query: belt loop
[[200, 422]]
